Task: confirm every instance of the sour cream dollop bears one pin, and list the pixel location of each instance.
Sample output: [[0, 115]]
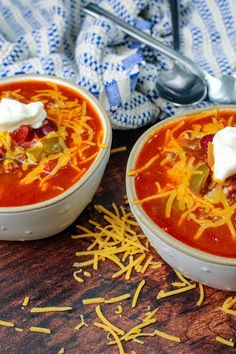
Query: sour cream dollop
[[224, 150], [14, 113]]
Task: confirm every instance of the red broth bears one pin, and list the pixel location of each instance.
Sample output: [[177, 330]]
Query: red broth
[[63, 106], [173, 199]]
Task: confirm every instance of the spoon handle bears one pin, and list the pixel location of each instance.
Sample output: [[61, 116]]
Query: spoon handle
[[96, 11], [174, 9]]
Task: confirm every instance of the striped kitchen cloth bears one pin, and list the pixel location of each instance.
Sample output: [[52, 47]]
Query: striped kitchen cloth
[[55, 38]]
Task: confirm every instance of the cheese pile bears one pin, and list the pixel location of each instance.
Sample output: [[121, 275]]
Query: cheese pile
[[117, 335], [117, 242]]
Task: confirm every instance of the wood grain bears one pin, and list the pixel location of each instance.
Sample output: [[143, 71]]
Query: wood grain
[[43, 270]]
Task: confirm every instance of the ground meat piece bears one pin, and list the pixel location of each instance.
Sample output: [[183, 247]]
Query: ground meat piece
[[10, 166], [20, 154]]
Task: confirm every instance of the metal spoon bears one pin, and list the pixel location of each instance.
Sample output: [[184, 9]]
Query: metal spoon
[[186, 85], [174, 10], [170, 83]]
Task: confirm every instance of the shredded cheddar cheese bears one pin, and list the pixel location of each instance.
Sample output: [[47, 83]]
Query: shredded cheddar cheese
[[201, 298], [118, 149], [81, 324], [119, 310], [178, 284], [158, 333], [40, 330], [137, 329], [230, 312], [108, 323], [145, 266], [167, 336], [222, 340], [117, 299], [137, 292], [95, 300], [6, 324], [17, 329], [77, 278], [113, 333], [228, 304], [182, 278], [26, 301], [162, 293], [50, 309], [117, 242]]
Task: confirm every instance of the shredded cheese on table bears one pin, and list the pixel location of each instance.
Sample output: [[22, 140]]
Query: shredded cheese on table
[[95, 300], [77, 278], [119, 310], [201, 298], [167, 336], [137, 292], [228, 304], [117, 299], [50, 309], [26, 301], [178, 284], [17, 329], [40, 330], [230, 312], [117, 242], [108, 323], [222, 340], [81, 324], [113, 333], [182, 278], [138, 331], [6, 324], [162, 293], [118, 149]]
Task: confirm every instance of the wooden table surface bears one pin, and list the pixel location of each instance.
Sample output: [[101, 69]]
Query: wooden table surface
[[43, 270]]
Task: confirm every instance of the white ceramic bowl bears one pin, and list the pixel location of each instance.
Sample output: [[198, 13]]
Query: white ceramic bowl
[[47, 218], [215, 271]]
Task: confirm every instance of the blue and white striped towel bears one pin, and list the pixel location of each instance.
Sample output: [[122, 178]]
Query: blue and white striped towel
[[53, 37]]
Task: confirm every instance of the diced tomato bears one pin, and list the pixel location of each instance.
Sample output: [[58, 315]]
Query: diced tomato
[[49, 166], [3, 151], [30, 141], [19, 135], [84, 134], [24, 136], [206, 140], [47, 127], [232, 186]]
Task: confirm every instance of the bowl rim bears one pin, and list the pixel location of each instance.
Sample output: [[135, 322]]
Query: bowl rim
[[141, 214], [107, 139]]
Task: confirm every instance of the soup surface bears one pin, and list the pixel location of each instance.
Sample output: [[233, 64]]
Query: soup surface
[[39, 164], [174, 183]]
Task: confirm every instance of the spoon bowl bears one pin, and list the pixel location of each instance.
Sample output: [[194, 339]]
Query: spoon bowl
[[181, 86], [190, 84]]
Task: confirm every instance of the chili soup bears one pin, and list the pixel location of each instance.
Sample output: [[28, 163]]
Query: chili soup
[[37, 164], [176, 185]]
